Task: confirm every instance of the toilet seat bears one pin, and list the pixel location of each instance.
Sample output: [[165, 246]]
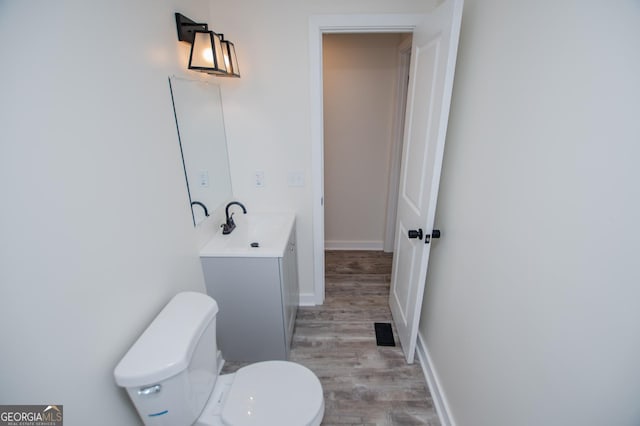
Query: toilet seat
[[274, 393], [266, 393]]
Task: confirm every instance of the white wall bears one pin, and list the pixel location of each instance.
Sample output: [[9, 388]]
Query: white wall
[[360, 77], [267, 111], [95, 232], [532, 307]]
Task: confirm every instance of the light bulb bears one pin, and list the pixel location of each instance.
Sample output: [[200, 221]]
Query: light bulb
[[207, 55]]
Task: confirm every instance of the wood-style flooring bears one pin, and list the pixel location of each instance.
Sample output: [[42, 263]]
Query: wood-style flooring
[[364, 384]]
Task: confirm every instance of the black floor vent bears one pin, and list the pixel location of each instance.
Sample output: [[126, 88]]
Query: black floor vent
[[384, 334]]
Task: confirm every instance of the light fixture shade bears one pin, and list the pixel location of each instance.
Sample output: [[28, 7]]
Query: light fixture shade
[[207, 53], [230, 59]]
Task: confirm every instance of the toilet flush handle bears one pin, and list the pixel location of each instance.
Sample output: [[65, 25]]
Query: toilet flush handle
[[149, 390]]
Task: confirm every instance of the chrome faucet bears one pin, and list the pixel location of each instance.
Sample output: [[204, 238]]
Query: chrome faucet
[[228, 227]]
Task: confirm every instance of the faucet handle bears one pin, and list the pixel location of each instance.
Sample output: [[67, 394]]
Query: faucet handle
[[229, 226]]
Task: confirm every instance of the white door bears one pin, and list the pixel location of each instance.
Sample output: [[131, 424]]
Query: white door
[[433, 58]]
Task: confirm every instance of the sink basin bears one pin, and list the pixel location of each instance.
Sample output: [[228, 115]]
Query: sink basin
[[269, 230]]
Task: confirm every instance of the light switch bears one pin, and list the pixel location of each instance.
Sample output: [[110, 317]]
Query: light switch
[[295, 179]]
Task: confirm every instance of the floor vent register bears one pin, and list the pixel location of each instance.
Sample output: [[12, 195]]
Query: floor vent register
[[384, 334]]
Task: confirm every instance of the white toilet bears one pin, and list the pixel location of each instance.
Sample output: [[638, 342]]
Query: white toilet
[[171, 375]]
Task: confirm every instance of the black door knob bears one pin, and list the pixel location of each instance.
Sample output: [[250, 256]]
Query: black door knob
[[415, 234], [434, 234]]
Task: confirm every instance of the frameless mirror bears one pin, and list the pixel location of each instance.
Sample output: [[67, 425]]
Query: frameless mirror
[[198, 110]]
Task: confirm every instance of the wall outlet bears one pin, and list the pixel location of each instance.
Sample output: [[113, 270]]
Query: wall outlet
[[259, 179], [203, 178]]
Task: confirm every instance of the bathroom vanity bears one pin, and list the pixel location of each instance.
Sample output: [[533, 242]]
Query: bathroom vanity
[[253, 275]]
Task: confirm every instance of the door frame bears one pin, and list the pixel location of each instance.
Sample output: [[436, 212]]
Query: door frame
[[319, 25]]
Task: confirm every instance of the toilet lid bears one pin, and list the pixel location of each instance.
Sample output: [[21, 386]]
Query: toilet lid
[[274, 393]]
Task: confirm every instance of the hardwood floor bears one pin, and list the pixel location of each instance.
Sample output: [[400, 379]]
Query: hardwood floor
[[364, 384]]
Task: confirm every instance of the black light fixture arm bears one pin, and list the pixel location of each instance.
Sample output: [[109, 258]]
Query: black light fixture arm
[[187, 27]]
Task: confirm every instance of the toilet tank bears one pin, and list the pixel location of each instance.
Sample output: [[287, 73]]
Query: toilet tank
[[171, 369]]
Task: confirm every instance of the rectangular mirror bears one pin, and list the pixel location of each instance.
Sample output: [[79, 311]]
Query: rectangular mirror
[[200, 123]]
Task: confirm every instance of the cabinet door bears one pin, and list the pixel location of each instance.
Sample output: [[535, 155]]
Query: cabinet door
[[250, 317]]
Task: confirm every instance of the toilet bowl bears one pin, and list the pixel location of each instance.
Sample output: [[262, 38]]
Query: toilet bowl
[[171, 376]]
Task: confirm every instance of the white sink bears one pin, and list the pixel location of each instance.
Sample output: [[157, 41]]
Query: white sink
[[269, 230]]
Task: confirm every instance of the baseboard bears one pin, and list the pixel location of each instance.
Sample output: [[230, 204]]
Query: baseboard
[[307, 299], [437, 394], [354, 245]]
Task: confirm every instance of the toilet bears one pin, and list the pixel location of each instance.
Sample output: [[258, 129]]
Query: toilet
[[171, 374]]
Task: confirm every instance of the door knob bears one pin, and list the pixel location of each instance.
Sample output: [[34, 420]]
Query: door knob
[[434, 234], [415, 234]]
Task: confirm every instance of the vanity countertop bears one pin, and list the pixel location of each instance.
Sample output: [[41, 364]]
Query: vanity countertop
[[270, 230]]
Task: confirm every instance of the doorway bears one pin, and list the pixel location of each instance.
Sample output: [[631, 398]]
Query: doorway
[[319, 26], [365, 79]]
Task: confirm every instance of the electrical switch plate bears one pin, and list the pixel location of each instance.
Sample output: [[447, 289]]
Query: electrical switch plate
[[259, 178], [295, 179]]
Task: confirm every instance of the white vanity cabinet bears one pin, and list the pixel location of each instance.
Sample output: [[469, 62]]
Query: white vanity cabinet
[[256, 288]]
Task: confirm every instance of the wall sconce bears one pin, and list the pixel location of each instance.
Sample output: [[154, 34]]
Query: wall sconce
[[210, 53], [230, 59]]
